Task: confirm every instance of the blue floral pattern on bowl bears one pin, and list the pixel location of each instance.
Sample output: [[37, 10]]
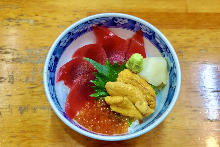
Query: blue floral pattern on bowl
[[110, 22]]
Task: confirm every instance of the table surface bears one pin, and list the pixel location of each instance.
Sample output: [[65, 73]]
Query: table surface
[[29, 27]]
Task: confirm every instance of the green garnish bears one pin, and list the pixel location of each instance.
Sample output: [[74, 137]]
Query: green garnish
[[130, 121], [155, 89], [106, 73]]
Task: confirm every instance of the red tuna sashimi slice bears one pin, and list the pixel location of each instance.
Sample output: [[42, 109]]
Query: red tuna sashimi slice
[[79, 94], [92, 51], [114, 46], [136, 45], [73, 69]]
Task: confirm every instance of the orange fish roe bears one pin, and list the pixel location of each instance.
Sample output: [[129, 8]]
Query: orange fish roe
[[97, 116]]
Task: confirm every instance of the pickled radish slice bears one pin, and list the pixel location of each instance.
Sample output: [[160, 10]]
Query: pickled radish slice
[[155, 71]]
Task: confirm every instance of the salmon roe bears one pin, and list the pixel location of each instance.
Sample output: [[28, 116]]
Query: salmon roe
[[97, 116]]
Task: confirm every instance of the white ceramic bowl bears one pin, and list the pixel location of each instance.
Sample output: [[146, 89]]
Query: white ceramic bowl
[[79, 34]]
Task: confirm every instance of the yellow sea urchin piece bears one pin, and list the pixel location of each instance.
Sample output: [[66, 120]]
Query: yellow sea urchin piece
[[128, 77], [123, 106], [133, 93]]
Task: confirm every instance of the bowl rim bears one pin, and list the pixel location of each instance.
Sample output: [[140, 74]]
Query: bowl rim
[[126, 136]]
